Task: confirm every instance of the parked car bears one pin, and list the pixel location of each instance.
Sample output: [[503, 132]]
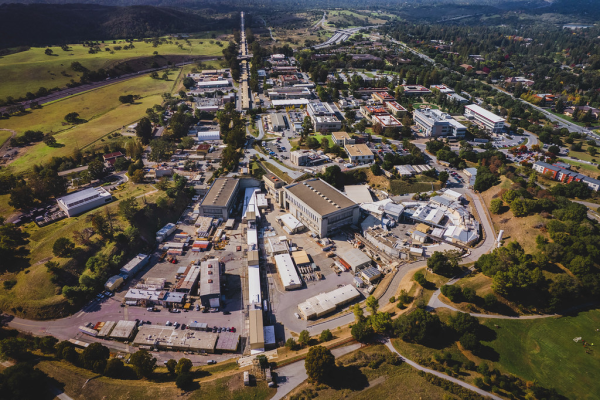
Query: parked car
[[210, 362], [168, 323]]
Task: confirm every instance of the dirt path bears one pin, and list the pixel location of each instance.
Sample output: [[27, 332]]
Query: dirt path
[[6, 144]]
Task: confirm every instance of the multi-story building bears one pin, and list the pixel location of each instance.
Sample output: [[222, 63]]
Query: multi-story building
[[382, 97], [371, 111], [415, 90], [359, 153], [323, 117], [273, 184], [219, 201], [442, 88], [395, 108], [280, 93], [565, 175], [387, 121], [320, 207], [487, 119], [341, 138], [435, 123]]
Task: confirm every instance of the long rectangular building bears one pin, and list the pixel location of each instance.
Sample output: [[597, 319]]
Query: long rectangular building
[[219, 201], [565, 175], [487, 119], [287, 272], [84, 200], [326, 303], [320, 207], [435, 123], [210, 283]]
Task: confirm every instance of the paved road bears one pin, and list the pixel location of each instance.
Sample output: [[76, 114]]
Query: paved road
[[292, 375], [440, 375], [292, 173]]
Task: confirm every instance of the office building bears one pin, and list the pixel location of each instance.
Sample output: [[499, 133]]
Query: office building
[[487, 119], [435, 123], [341, 138], [415, 90], [320, 207], [359, 153], [323, 117]]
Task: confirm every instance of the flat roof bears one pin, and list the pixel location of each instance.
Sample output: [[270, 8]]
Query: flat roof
[[355, 258], [269, 333], [83, 196], [277, 119], [358, 150], [340, 135], [123, 329], [320, 196], [134, 262], [220, 193], [289, 102], [287, 271], [327, 302], [228, 341], [300, 257], [257, 334], [358, 193], [168, 336], [254, 293], [484, 113], [191, 277], [278, 245], [210, 277]]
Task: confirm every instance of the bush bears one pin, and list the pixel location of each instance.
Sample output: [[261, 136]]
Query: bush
[[393, 299], [452, 292], [420, 278], [490, 300], [496, 206], [469, 294], [326, 336], [62, 247], [184, 380]]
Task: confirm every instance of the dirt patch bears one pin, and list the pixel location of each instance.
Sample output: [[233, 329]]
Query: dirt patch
[[236, 382]]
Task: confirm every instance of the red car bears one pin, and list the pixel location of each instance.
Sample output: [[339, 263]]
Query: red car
[[232, 329]]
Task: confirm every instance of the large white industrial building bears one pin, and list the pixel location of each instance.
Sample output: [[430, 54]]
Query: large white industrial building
[[287, 272], [326, 303], [84, 200]]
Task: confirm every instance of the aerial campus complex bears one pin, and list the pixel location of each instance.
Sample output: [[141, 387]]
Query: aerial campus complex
[[300, 195]]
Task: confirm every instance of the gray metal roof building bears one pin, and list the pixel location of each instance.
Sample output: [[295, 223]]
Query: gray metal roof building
[[320, 207], [84, 200], [124, 330], [228, 341], [355, 259], [219, 200]]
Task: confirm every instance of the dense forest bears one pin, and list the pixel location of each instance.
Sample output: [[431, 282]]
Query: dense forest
[[44, 24]]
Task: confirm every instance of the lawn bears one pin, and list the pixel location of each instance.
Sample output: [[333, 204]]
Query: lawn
[[543, 350], [101, 108], [4, 136], [418, 184], [565, 117], [584, 168], [386, 381], [29, 70], [328, 137]]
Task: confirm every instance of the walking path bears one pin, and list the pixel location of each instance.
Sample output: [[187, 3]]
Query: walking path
[[292, 375], [440, 375]]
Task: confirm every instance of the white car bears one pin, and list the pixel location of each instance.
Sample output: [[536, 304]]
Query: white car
[[297, 315]]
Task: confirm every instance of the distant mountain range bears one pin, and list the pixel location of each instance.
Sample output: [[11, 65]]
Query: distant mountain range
[[43, 24]]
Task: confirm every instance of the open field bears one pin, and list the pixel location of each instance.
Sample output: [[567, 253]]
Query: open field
[[101, 108], [365, 383], [520, 229], [4, 136], [417, 184], [583, 168], [29, 70], [73, 379], [543, 350]]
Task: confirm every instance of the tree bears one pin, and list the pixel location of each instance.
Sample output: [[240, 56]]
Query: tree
[[291, 344], [444, 264], [128, 207], [381, 322], [326, 336], [127, 99], [376, 169], [420, 278], [114, 368], [304, 338], [443, 177], [184, 381], [184, 366], [143, 363], [50, 140], [48, 52], [359, 314], [63, 247], [307, 127], [319, 363], [496, 206], [93, 355], [452, 292], [72, 117], [463, 323], [143, 130], [96, 169], [470, 342], [418, 327], [372, 304], [171, 365], [188, 82], [362, 331], [138, 176], [21, 197], [23, 382], [13, 347]]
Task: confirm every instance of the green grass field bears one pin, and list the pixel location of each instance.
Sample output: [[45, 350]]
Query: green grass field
[[328, 137], [101, 108], [544, 350], [584, 168], [4, 136], [29, 70]]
